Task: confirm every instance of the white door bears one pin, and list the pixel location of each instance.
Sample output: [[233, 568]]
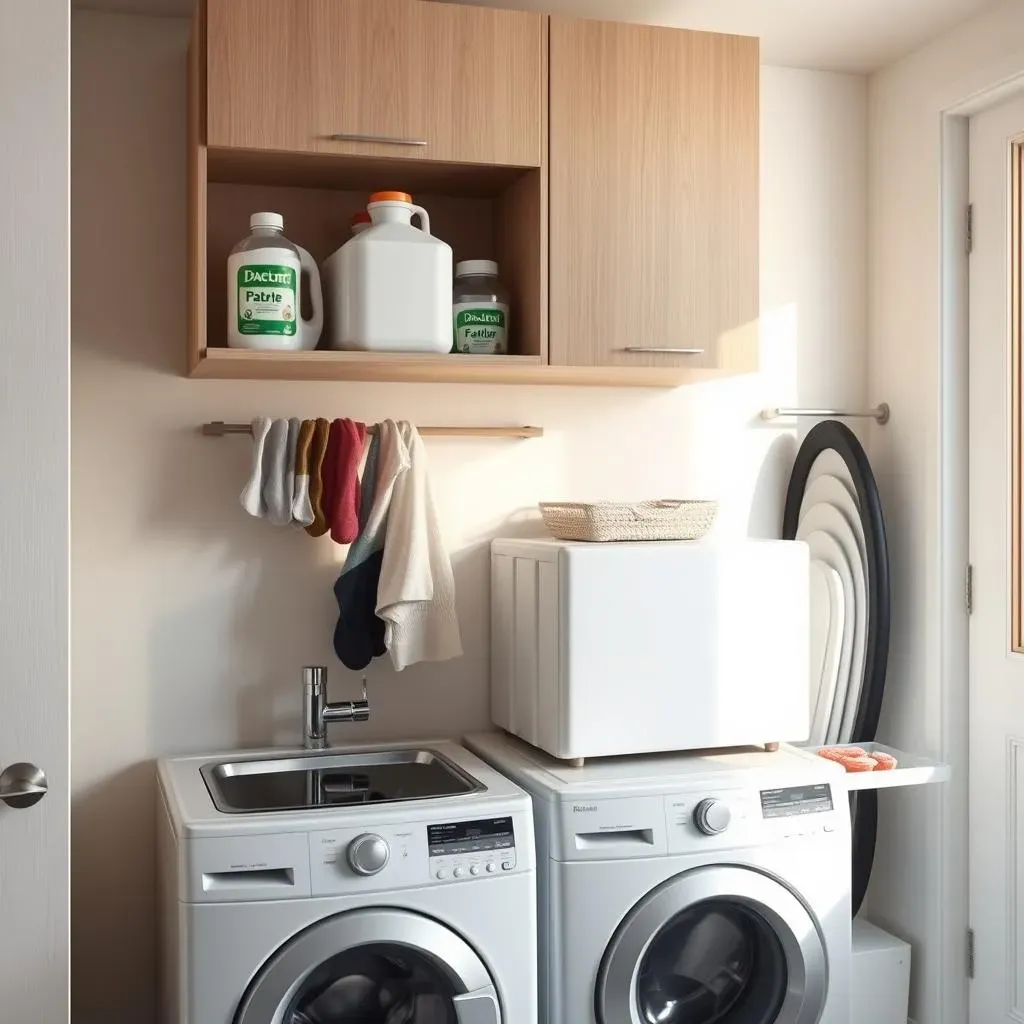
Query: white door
[[996, 670], [34, 240]]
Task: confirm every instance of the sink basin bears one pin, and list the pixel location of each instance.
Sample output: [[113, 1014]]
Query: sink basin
[[323, 778]]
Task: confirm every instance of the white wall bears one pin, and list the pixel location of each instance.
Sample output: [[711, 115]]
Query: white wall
[[191, 621], [917, 884], [34, 254]]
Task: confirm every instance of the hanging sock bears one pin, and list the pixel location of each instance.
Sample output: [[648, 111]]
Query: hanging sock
[[302, 510], [344, 502], [252, 494], [317, 456], [359, 635], [276, 499]]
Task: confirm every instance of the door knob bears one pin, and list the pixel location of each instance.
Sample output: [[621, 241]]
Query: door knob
[[22, 785]]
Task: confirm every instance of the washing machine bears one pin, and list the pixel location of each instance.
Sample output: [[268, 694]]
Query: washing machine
[[689, 888], [378, 886]]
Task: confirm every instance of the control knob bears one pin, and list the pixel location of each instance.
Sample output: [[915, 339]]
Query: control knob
[[368, 854], [712, 816]]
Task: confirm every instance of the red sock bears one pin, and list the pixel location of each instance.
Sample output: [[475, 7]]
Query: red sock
[[345, 501]]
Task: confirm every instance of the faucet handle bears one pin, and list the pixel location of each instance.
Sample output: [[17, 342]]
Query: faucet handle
[[361, 708]]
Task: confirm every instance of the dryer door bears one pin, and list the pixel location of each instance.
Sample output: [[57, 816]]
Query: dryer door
[[717, 945], [375, 966]]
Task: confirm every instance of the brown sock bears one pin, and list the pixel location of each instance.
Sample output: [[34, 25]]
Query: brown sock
[[317, 455]]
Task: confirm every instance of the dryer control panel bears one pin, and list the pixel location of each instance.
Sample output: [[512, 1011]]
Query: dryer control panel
[[708, 818]]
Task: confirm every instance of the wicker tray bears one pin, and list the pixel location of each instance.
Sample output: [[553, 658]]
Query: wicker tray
[[645, 520]]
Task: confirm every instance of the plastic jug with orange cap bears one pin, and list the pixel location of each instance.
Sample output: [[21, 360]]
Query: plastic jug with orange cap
[[388, 288]]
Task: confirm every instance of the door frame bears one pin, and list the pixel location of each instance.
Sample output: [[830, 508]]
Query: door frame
[[954, 526]]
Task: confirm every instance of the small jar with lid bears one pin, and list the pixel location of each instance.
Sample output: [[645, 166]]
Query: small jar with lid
[[480, 309]]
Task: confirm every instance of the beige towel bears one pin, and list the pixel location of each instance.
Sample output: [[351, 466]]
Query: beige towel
[[416, 593]]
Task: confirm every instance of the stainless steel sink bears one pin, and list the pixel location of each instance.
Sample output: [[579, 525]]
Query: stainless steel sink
[[323, 778]]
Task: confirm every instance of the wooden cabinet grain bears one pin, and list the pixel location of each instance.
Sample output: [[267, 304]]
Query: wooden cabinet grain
[[611, 169], [427, 81], [653, 197]]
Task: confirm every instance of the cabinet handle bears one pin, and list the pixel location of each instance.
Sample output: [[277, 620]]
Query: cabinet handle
[[354, 137], [664, 351]]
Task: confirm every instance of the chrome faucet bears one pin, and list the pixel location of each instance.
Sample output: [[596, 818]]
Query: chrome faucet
[[318, 714]]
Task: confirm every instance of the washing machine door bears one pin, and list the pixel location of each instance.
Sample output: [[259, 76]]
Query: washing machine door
[[374, 966], [716, 945]]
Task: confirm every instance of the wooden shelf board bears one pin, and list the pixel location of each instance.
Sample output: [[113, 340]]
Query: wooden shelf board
[[368, 174], [244, 364]]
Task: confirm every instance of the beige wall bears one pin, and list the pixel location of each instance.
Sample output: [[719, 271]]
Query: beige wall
[[191, 621]]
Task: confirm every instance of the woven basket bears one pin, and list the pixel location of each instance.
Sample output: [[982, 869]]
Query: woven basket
[[645, 520]]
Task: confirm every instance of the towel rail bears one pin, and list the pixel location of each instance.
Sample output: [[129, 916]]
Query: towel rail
[[218, 428], [879, 413]]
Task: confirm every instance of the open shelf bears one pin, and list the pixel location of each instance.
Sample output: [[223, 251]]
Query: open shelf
[[910, 770], [482, 212], [243, 364]]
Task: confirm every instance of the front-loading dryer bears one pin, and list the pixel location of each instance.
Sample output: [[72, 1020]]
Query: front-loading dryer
[[690, 888], [351, 886]]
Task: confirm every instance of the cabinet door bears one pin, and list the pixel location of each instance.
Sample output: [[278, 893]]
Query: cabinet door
[[378, 78], [435, 81], [653, 196], [479, 84], [259, 74]]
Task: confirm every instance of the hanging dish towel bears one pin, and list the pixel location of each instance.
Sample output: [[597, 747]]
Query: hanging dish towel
[[359, 634], [416, 595]]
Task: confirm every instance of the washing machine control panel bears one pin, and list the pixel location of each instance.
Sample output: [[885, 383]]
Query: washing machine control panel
[[461, 849], [430, 852]]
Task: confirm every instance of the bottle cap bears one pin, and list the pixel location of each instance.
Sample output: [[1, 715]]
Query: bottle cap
[[476, 268], [391, 197], [267, 220], [362, 217]]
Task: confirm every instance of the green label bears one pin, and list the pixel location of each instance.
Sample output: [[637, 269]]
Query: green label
[[481, 330], [266, 299]]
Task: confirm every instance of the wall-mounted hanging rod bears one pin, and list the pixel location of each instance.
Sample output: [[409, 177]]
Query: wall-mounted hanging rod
[[218, 428], [880, 413]]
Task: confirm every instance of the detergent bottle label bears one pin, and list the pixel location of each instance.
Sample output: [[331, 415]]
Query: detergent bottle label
[[267, 299], [481, 329]]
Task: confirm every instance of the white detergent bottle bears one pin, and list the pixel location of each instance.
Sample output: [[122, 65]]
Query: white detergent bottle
[[265, 290], [391, 284]]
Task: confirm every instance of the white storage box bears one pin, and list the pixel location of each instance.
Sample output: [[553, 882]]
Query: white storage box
[[881, 975], [611, 649]]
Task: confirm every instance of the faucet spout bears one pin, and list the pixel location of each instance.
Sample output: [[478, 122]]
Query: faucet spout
[[317, 712]]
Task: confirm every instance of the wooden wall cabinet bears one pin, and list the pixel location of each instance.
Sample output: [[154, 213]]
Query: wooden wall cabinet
[[636, 240], [428, 81], [654, 197]]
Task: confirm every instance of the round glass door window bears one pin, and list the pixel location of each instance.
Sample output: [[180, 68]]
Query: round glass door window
[[374, 984], [373, 966], [717, 962]]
